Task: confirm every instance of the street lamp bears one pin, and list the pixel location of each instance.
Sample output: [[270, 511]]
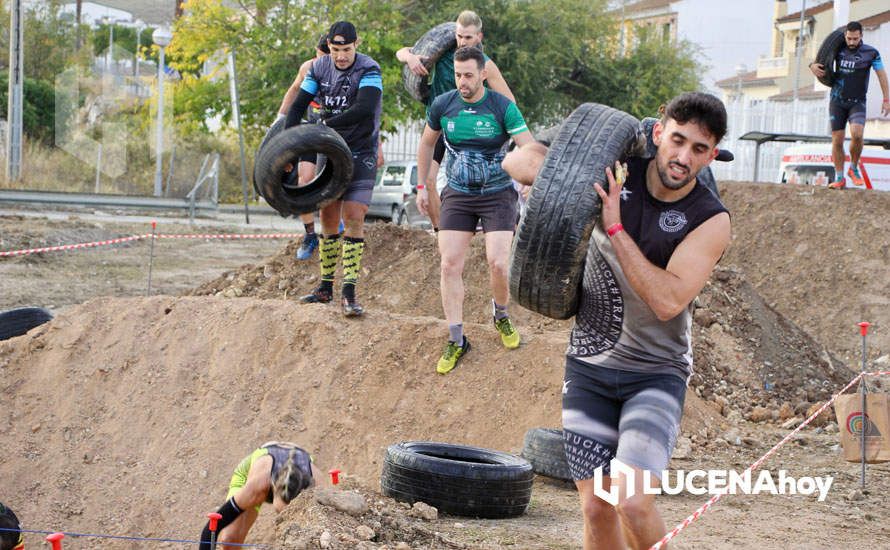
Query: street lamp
[[162, 38]]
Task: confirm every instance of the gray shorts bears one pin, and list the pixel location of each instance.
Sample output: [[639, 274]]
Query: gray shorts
[[364, 173], [462, 212], [609, 413]]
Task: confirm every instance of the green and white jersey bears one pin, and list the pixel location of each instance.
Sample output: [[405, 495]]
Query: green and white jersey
[[475, 134]]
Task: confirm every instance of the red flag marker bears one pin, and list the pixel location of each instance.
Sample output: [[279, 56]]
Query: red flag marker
[[214, 517], [863, 328], [335, 476], [56, 540]]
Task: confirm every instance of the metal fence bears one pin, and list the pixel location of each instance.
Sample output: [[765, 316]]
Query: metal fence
[[810, 117]]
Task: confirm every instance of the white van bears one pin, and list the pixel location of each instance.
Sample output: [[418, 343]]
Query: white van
[[811, 165]]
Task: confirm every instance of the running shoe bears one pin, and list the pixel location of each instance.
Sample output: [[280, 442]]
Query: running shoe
[[839, 184], [342, 227], [308, 246], [509, 335], [452, 354], [351, 308], [318, 296], [853, 172]]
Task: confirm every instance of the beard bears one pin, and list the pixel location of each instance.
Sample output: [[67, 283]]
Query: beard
[[668, 180]]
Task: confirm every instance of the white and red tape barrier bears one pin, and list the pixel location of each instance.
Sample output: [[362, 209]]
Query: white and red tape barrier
[[78, 246]]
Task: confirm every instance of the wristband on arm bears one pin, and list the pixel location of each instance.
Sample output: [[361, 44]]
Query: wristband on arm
[[614, 229]]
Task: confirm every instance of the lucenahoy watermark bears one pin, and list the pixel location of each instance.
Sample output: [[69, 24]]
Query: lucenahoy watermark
[[700, 482]]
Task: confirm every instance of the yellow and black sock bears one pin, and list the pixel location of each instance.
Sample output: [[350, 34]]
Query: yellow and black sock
[[353, 248], [328, 256]]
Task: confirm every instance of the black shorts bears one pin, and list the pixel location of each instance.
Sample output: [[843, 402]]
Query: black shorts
[[462, 212], [841, 112], [609, 413], [364, 172]]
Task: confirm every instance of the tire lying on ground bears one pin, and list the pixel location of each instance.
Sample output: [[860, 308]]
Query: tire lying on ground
[[828, 53], [431, 45], [458, 480], [279, 187], [545, 450], [16, 322], [273, 131], [550, 247]]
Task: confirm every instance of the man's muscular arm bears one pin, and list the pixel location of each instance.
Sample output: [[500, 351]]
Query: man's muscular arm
[[294, 89], [666, 291]]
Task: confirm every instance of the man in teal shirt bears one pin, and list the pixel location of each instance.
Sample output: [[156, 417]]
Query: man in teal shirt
[[476, 123]]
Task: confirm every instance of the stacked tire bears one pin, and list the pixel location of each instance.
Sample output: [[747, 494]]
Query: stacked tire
[[15, 322]]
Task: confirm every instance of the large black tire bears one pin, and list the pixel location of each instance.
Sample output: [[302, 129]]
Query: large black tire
[[273, 131], [16, 322], [458, 480], [279, 188], [431, 45], [828, 53], [551, 243], [545, 450]]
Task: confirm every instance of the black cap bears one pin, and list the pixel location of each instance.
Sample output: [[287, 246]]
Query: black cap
[[345, 30], [323, 43]]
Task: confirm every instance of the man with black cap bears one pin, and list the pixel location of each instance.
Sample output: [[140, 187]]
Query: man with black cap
[[349, 87], [10, 535]]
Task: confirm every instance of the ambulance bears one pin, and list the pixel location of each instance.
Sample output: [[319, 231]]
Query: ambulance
[[811, 165]]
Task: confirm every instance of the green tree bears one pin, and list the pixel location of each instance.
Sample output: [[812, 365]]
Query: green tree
[[49, 39], [38, 107]]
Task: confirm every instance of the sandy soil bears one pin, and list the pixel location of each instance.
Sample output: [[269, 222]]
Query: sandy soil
[[126, 414]]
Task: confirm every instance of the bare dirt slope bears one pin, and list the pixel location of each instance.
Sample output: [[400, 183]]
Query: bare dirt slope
[[127, 415]]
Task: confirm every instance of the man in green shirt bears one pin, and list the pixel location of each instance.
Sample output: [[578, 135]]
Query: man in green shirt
[[468, 34], [476, 123]]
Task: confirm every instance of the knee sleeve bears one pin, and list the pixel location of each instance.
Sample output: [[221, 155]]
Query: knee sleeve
[[229, 512]]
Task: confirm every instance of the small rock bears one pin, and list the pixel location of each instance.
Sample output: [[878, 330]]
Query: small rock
[[732, 437], [268, 271], [203, 474], [785, 411], [760, 414], [734, 416], [723, 403], [869, 516], [346, 501], [749, 442], [363, 532], [790, 423], [831, 428], [883, 360], [424, 511], [855, 495], [282, 284], [683, 449], [35, 428], [402, 546], [822, 419], [325, 539], [704, 317]]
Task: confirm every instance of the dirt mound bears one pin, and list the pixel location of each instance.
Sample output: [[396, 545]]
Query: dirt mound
[[818, 256]]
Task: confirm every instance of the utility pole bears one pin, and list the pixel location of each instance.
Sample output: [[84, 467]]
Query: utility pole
[[14, 107], [803, 9]]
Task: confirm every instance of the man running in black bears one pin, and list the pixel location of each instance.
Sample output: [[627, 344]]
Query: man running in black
[[349, 87], [848, 100]]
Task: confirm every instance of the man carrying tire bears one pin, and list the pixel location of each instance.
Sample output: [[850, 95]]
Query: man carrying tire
[[847, 102], [629, 354], [10, 537], [275, 473], [468, 34], [476, 123], [349, 88]]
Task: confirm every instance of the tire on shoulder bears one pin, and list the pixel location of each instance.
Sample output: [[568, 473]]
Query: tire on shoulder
[[457, 479], [547, 260], [828, 53], [278, 187], [431, 45], [16, 322]]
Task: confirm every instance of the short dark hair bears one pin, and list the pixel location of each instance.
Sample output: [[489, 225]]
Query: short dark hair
[[701, 108], [323, 43], [467, 53], [854, 26]]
